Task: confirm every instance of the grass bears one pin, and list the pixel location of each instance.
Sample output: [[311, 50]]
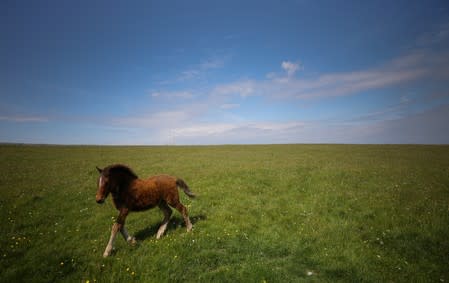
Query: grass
[[274, 213]]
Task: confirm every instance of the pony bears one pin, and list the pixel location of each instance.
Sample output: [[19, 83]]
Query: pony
[[129, 193]]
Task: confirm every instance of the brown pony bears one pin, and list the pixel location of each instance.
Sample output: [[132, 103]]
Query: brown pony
[[129, 193]]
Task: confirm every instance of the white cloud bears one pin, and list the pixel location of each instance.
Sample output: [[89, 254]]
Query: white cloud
[[24, 119], [429, 126], [290, 67], [425, 127], [212, 63], [172, 94], [404, 99], [410, 67], [202, 131], [344, 84], [188, 74], [242, 88], [187, 124], [439, 35], [199, 70], [384, 126], [229, 106], [407, 68], [155, 120], [238, 132]]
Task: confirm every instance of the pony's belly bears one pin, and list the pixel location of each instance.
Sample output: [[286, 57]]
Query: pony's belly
[[142, 207], [144, 202]]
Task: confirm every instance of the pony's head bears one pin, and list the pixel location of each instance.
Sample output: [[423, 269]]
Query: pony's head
[[112, 179], [103, 186]]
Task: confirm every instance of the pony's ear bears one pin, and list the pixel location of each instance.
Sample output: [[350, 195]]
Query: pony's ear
[[99, 170]]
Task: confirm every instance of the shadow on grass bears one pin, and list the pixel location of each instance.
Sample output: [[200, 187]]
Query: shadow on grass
[[175, 223]]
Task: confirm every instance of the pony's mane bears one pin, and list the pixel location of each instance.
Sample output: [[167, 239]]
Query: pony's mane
[[119, 168]]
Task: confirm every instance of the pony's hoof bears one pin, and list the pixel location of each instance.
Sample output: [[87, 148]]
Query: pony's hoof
[[108, 252], [132, 241]]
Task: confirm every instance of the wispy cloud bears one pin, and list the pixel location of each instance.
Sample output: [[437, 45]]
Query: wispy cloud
[[161, 119], [197, 71], [388, 113], [188, 121], [404, 69], [229, 106], [242, 132], [407, 68], [424, 127], [290, 67], [212, 63], [242, 88], [429, 126], [188, 75], [24, 119], [185, 127], [172, 94], [349, 83], [440, 34]]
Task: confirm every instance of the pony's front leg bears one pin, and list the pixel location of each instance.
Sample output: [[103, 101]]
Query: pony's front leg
[[118, 226], [115, 229]]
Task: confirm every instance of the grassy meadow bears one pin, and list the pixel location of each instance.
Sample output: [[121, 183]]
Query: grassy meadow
[[268, 213]]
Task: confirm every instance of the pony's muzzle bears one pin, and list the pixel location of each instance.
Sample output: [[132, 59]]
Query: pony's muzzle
[[100, 200]]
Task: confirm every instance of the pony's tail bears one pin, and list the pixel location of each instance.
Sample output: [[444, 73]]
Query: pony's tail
[[181, 184]]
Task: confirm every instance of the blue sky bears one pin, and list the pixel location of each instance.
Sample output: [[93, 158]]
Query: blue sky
[[224, 72]]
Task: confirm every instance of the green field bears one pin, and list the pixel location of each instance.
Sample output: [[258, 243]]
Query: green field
[[274, 213]]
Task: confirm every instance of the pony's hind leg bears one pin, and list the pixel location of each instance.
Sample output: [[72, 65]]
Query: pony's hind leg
[[130, 239], [167, 213], [183, 210]]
